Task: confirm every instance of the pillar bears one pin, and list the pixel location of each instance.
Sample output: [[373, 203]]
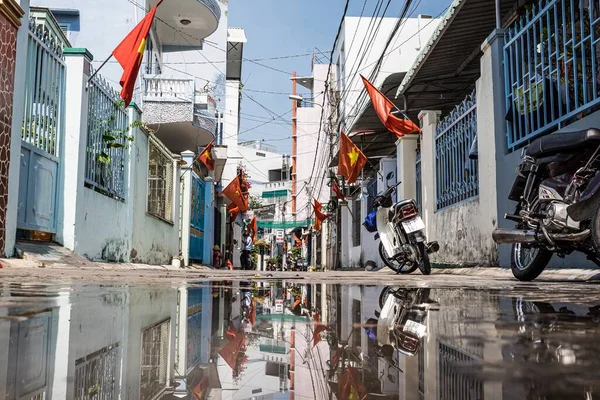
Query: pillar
[[209, 220], [186, 206], [13, 37], [406, 157], [429, 120], [491, 135], [73, 147]]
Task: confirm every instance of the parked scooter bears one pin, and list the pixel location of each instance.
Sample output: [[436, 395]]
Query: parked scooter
[[403, 246]]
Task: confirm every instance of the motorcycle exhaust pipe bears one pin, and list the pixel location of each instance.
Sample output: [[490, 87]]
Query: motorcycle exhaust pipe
[[511, 236]]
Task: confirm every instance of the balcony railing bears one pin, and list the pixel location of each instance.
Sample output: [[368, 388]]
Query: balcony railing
[[307, 101], [456, 175], [551, 68], [168, 89]]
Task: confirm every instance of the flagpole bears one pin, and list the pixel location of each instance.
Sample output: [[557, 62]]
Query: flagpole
[[99, 68]]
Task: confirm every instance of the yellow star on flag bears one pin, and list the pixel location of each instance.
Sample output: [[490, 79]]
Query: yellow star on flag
[[208, 156], [353, 155]]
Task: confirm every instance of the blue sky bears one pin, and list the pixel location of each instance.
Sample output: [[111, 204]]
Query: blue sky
[[282, 28]]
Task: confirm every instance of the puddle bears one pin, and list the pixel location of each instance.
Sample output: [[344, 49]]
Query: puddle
[[282, 340]]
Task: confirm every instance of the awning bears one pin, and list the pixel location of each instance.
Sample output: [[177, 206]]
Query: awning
[[275, 193], [448, 66], [283, 224]]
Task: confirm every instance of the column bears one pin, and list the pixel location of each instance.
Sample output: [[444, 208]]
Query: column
[[406, 156], [13, 41], [491, 134], [429, 120], [209, 220], [73, 146], [186, 189]]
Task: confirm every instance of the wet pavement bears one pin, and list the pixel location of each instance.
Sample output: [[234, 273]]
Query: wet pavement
[[287, 339]]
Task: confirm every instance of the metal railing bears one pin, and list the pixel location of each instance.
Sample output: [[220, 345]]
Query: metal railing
[[160, 182], [107, 140], [455, 382], [372, 191], [551, 68], [158, 88], [456, 175], [43, 121], [418, 181], [307, 101], [96, 374], [155, 360]]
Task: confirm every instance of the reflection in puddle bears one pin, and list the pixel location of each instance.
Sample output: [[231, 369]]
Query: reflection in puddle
[[280, 340]]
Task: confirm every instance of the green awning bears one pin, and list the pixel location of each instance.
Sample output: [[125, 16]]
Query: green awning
[[275, 193], [283, 224]]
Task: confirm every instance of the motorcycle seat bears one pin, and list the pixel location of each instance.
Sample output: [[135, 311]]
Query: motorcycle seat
[[563, 141]]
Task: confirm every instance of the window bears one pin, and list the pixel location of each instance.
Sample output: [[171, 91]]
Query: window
[[97, 373], [356, 223], [155, 360], [160, 183]]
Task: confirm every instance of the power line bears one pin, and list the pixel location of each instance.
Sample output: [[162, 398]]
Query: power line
[[225, 61]]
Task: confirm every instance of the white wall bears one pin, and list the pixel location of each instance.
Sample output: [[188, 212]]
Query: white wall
[[154, 241], [412, 35], [310, 154]]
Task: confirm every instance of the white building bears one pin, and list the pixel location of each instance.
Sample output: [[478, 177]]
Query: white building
[[132, 212]]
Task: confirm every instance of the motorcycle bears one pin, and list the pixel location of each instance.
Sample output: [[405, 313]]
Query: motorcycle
[[403, 246], [557, 190], [401, 323]]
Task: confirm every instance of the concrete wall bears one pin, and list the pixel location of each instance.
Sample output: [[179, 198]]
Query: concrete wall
[[154, 241]]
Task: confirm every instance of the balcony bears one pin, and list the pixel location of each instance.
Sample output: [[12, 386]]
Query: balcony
[[193, 19], [180, 117]]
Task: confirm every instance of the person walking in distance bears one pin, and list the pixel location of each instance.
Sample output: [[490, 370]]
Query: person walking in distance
[[247, 245]]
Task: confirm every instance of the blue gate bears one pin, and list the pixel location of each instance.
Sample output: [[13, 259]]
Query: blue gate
[[197, 222]]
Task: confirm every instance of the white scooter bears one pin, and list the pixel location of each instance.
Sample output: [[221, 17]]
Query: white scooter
[[403, 246]]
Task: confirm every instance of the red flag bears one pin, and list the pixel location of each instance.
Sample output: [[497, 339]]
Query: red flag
[[338, 191], [230, 351], [337, 358], [233, 211], [130, 52], [350, 159], [253, 228], [206, 156], [320, 216], [319, 328], [383, 107], [317, 225], [350, 386], [233, 192]]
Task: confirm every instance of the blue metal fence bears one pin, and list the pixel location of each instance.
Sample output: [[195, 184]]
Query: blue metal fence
[[418, 181], [551, 68], [456, 175]]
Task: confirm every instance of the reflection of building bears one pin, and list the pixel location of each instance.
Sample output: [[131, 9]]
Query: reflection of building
[[88, 344]]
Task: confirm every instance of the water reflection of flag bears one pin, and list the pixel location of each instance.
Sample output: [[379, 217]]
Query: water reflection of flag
[[350, 386], [201, 389], [252, 316], [230, 351], [319, 328]]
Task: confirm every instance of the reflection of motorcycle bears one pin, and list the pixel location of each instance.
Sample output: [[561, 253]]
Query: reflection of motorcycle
[[401, 323], [403, 246]]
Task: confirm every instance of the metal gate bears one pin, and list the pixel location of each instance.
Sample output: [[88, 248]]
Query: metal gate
[[197, 221], [456, 381], [42, 132]]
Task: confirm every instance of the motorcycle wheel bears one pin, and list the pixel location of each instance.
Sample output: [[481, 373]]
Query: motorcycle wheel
[[527, 263], [393, 264], [424, 264], [595, 228]]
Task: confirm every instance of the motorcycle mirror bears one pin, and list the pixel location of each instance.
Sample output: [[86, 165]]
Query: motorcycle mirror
[[389, 176], [392, 378]]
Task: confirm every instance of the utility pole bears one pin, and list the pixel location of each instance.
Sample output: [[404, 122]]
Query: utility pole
[[294, 145]]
